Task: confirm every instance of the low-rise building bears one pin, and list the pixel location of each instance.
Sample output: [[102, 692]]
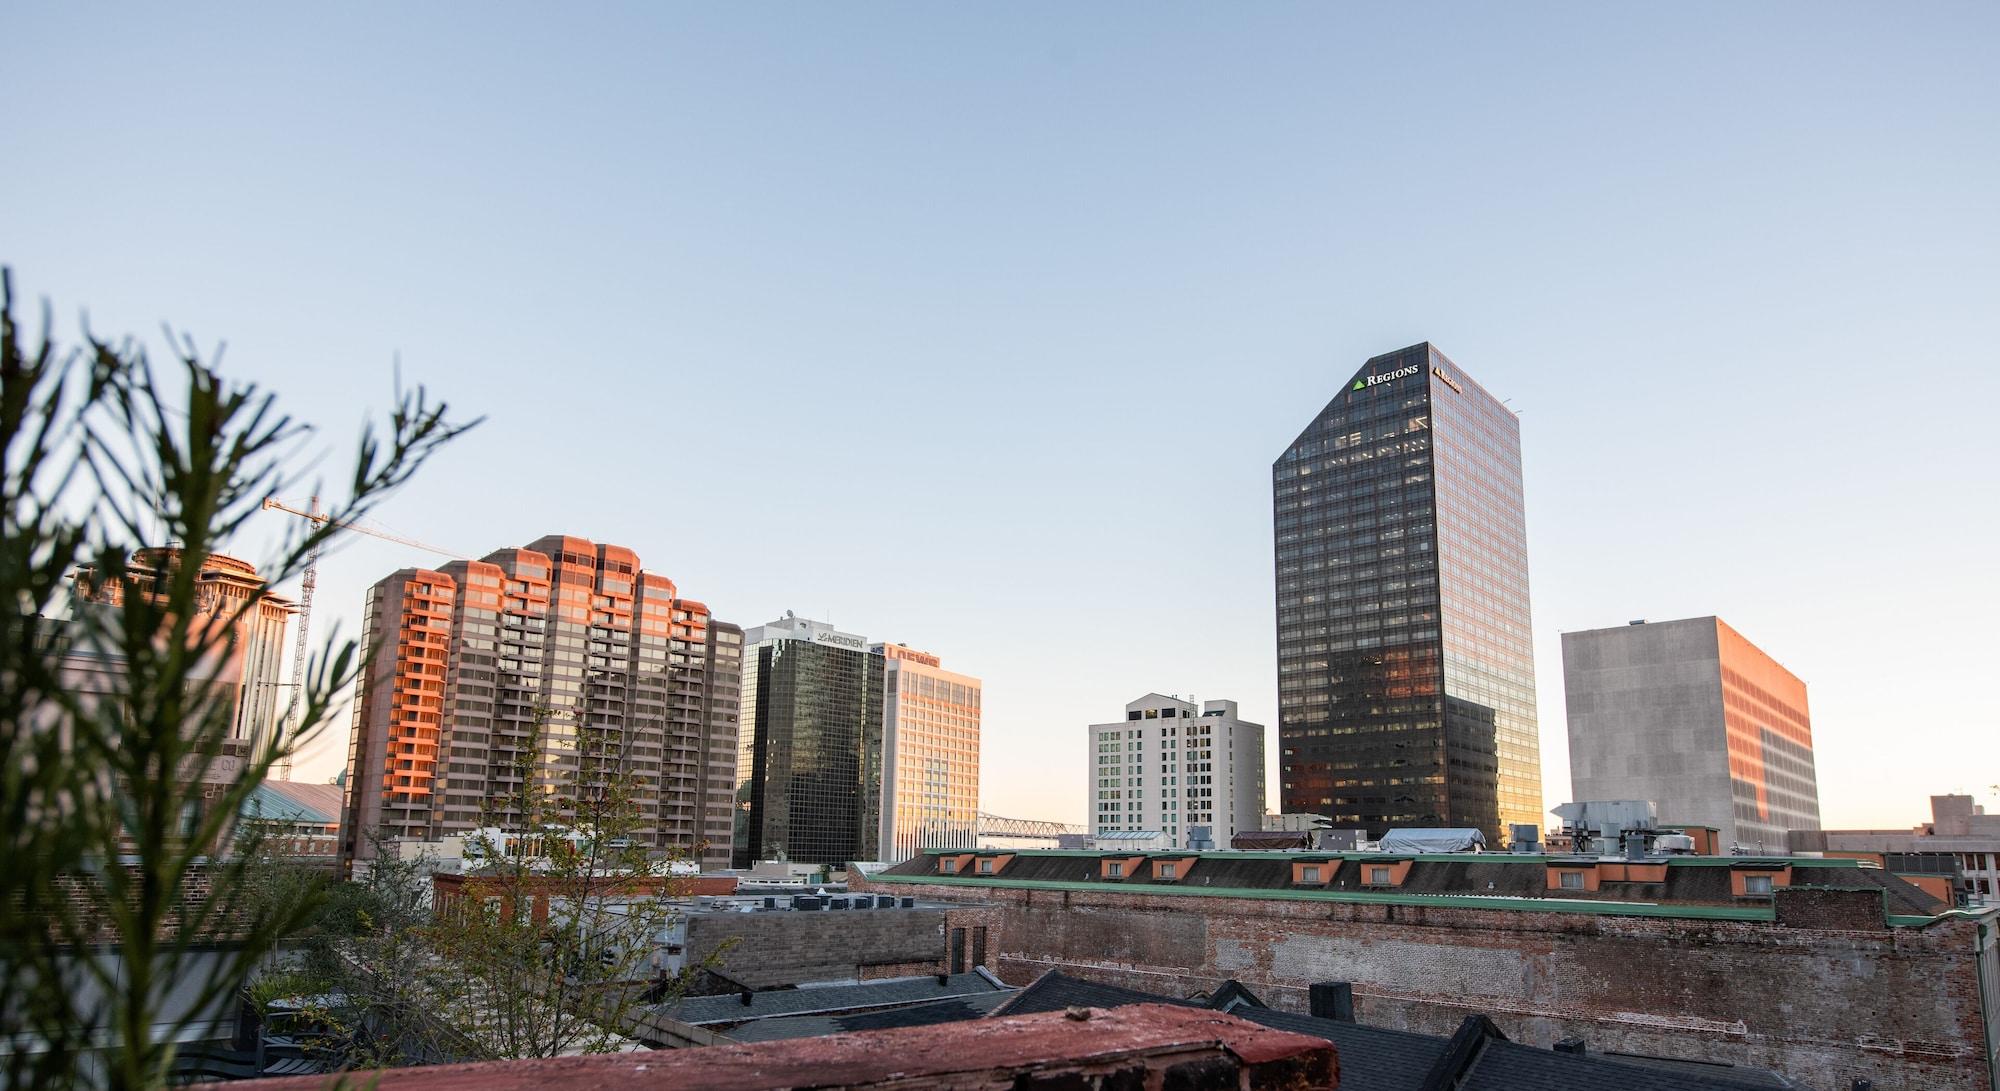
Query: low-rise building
[[1959, 830], [297, 819], [777, 1014], [1826, 971], [781, 940]]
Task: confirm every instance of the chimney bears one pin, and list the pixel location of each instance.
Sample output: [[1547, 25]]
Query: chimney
[[1569, 1045], [1332, 1000]]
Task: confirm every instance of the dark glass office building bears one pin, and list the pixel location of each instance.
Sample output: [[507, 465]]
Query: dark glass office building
[[1406, 674], [809, 757]]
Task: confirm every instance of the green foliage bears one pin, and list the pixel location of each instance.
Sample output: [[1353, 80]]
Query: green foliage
[[113, 805], [294, 981], [547, 950]]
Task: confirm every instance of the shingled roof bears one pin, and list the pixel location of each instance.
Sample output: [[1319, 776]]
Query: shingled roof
[[1479, 1057], [954, 1010], [747, 1006]]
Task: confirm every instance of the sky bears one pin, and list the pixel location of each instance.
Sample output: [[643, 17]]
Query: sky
[[977, 327]]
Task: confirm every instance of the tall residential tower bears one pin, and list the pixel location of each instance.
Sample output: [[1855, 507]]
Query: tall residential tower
[[1406, 675], [484, 672]]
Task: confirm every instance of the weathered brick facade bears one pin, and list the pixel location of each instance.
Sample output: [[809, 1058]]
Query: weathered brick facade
[[1826, 993]]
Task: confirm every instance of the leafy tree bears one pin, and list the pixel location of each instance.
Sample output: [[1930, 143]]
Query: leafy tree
[[569, 912], [112, 804], [548, 949]]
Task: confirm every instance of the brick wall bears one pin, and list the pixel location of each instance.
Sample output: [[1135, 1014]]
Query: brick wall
[[765, 949], [1837, 910], [1818, 997]]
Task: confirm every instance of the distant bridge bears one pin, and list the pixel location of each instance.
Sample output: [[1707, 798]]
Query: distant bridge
[[993, 825]]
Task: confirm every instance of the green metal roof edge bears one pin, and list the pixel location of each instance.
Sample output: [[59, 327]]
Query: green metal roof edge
[[1450, 901], [1308, 856], [1918, 920]]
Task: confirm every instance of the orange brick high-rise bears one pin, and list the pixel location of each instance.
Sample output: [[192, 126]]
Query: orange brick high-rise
[[460, 659]]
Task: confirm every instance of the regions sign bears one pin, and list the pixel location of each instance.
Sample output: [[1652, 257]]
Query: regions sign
[[1399, 373]]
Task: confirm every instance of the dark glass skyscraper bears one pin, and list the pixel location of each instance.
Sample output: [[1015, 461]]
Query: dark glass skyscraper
[[809, 754], [1406, 675]]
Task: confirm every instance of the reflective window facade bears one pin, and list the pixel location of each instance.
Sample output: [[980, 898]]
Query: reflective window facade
[[1406, 689], [930, 746], [810, 751]]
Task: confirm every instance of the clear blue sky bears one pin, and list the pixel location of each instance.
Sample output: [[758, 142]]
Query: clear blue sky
[[978, 327]]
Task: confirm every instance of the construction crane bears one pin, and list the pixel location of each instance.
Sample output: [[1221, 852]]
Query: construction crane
[[312, 514]]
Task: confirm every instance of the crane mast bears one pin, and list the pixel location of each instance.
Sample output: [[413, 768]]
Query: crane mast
[[318, 518], [306, 584]]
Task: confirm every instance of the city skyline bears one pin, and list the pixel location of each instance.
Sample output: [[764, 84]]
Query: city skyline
[[971, 387]]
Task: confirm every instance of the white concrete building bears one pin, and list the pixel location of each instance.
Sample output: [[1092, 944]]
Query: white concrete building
[[1171, 766]]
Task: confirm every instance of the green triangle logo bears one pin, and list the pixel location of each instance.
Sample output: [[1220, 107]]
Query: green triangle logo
[[1359, 385]]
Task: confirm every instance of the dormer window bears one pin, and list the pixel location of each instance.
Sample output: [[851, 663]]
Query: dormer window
[[948, 865], [1761, 882], [1309, 874], [1378, 876], [986, 867], [1168, 871], [1114, 869], [1572, 880]]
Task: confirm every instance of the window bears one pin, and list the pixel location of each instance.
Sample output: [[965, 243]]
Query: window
[[1167, 871], [1378, 876], [1308, 874], [1756, 884], [1114, 869], [948, 865], [1572, 880], [985, 867]]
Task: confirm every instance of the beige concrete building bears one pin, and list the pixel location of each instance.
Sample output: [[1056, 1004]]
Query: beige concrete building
[[1693, 717], [930, 745]]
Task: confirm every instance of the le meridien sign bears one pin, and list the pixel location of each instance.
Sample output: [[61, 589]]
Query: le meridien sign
[[840, 640], [1399, 373]]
